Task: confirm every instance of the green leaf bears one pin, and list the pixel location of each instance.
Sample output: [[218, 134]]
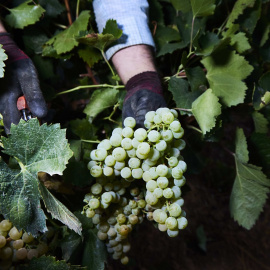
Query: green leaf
[[201, 8], [53, 7], [65, 41], [25, 14], [181, 5], [83, 129], [110, 33], [34, 41], [48, 262], [37, 149], [165, 34], [225, 72], [70, 244], [206, 109], [202, 239], [170, 48], [90, 55], [59, 210], [100, 100], [241, 150], [240, 42], [260, 122], [250, 187], [238, 9], [264, 81], [196, 78], [265, 36], [3, 57], [181, 94]]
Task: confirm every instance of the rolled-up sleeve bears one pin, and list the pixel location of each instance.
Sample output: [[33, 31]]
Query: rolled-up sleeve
[[131, 17]]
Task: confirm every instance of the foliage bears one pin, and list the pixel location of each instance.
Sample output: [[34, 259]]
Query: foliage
[[214, 57]]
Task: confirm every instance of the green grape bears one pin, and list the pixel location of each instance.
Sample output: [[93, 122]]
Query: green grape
[[105, 144], [161, 145], [96, 219], [143, 148], [116, 139], [127, 144], [147, 124], [162, 227], [121, 191], [96, 171], [21, 254], [106, 197], [42, 248], [134, 163], [94, 203], [118, 248], [108, 187], [160, 216], [109, 160], [140, 134], [178, 135], [162, 170], [133, 219], [5, 225], [141, 203], [127, 132], [135, 143], [32, 253], [151, 198], [126, 247], [96, 189], [127, 210], [15, 234], [180, 182], [130, 122], [119, 165], [175, 126], [147, 176], [162, 182], [153, 136], [180, 202], [177, 173], [131, 153], [167, 135], [137, 173], [90, 213], [132, 204], [174, 112], [174, 210], [93, 155], [91, 164], [111, 232], [119, 154], [179, 144], [174, 152], [102, 236], [4, 233], [154, 155], [145, 167], [111, 220], [151, 185], [173, 161], [126, 172], [117, 131], [124, 230], [161, 111], [158, 192], [172, 233], [182, 223], [5, 253], [141, 156], [101, 154], [167, 117], [27, 238], [153, 173], [134, 191], [108, 171], [176, 192], [150, 116], [171, 223], [17, 244], [121, 219], [149, 162], [168, 193], [157, 119], [2, 241], [182, 165]]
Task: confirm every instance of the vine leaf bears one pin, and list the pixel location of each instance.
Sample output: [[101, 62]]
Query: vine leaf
[[238, 9], [25, 14], [37, 149], [49, 262], [183, 5], [53, 7], [201, 8], [3, 57], [101, 100], [59, 210], [65, 41], [240, 42], [110, 33], [225, 72], [205, 109], [250, 187], [260, 122], [90, 55]]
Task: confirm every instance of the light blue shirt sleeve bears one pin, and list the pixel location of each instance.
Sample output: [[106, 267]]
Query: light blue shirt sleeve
[[131, 17]]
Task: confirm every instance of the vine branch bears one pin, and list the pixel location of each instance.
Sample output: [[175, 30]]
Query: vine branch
[[68, 12]]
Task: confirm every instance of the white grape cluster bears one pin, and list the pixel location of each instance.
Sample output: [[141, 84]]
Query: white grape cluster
[[18, 247], [138, 173]]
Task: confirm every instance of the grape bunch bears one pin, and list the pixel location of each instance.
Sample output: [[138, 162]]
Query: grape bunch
[[138, 174], [18, 247]]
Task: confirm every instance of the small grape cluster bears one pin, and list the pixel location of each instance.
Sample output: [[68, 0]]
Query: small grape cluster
[[18, 247], [138, 173]]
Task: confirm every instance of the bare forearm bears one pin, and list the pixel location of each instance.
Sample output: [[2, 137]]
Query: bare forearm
[[133, 60], [2, 28]]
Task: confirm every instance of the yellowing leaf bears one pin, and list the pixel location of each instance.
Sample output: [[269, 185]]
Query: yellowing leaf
[[205, 109], [225, 72], [25, 14]]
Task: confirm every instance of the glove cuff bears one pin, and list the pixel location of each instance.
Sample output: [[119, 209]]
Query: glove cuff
[[146, 80], [11, 49]]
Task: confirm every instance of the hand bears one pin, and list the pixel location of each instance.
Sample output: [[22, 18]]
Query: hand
[[144, 94], [20, 78]]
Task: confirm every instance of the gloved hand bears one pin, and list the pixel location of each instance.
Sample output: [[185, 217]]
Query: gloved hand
[[144, 94], [20, 78]]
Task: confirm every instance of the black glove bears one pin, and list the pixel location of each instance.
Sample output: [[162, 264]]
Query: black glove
[[20, 78], [144, 94]]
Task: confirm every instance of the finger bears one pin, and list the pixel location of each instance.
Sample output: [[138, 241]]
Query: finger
[[29, 83]]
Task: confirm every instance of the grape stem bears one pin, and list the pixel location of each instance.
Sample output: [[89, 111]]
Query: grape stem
[[194, 128], [113, 112], [90, 141], [182, 109]]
